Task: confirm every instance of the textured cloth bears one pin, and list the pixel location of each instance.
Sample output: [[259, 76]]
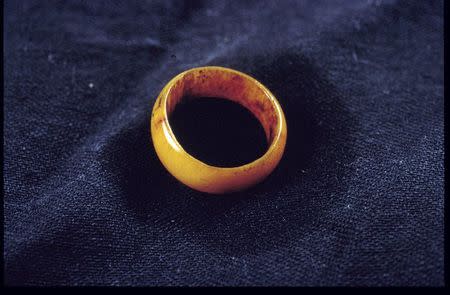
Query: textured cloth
[[358, 198]]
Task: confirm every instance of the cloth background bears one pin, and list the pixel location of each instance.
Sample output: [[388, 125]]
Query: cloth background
[[358, 198]]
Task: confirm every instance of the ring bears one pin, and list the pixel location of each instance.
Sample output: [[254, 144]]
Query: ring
[[212, 81]]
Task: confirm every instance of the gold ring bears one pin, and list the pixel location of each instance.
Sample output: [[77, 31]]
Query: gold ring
[[229, 84]]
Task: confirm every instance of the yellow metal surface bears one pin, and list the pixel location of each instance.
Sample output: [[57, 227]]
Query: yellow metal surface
[[229, 84]]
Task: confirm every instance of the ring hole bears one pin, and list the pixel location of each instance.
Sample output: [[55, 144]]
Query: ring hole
[[217, 131]]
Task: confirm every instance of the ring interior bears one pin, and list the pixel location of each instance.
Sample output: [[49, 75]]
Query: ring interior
[[227, 85]]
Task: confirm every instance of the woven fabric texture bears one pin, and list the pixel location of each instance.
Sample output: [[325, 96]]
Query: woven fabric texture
[[358, 199]]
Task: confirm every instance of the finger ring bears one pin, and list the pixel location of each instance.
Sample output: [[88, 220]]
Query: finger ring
[[229, 84]]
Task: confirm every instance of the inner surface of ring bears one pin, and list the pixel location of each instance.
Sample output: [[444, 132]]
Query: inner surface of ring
[[227, 85]]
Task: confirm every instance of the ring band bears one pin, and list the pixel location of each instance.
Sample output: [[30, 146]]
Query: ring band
[[229, 84]]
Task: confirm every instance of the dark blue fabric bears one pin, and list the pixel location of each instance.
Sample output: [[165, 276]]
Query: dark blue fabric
[[357, 200]]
